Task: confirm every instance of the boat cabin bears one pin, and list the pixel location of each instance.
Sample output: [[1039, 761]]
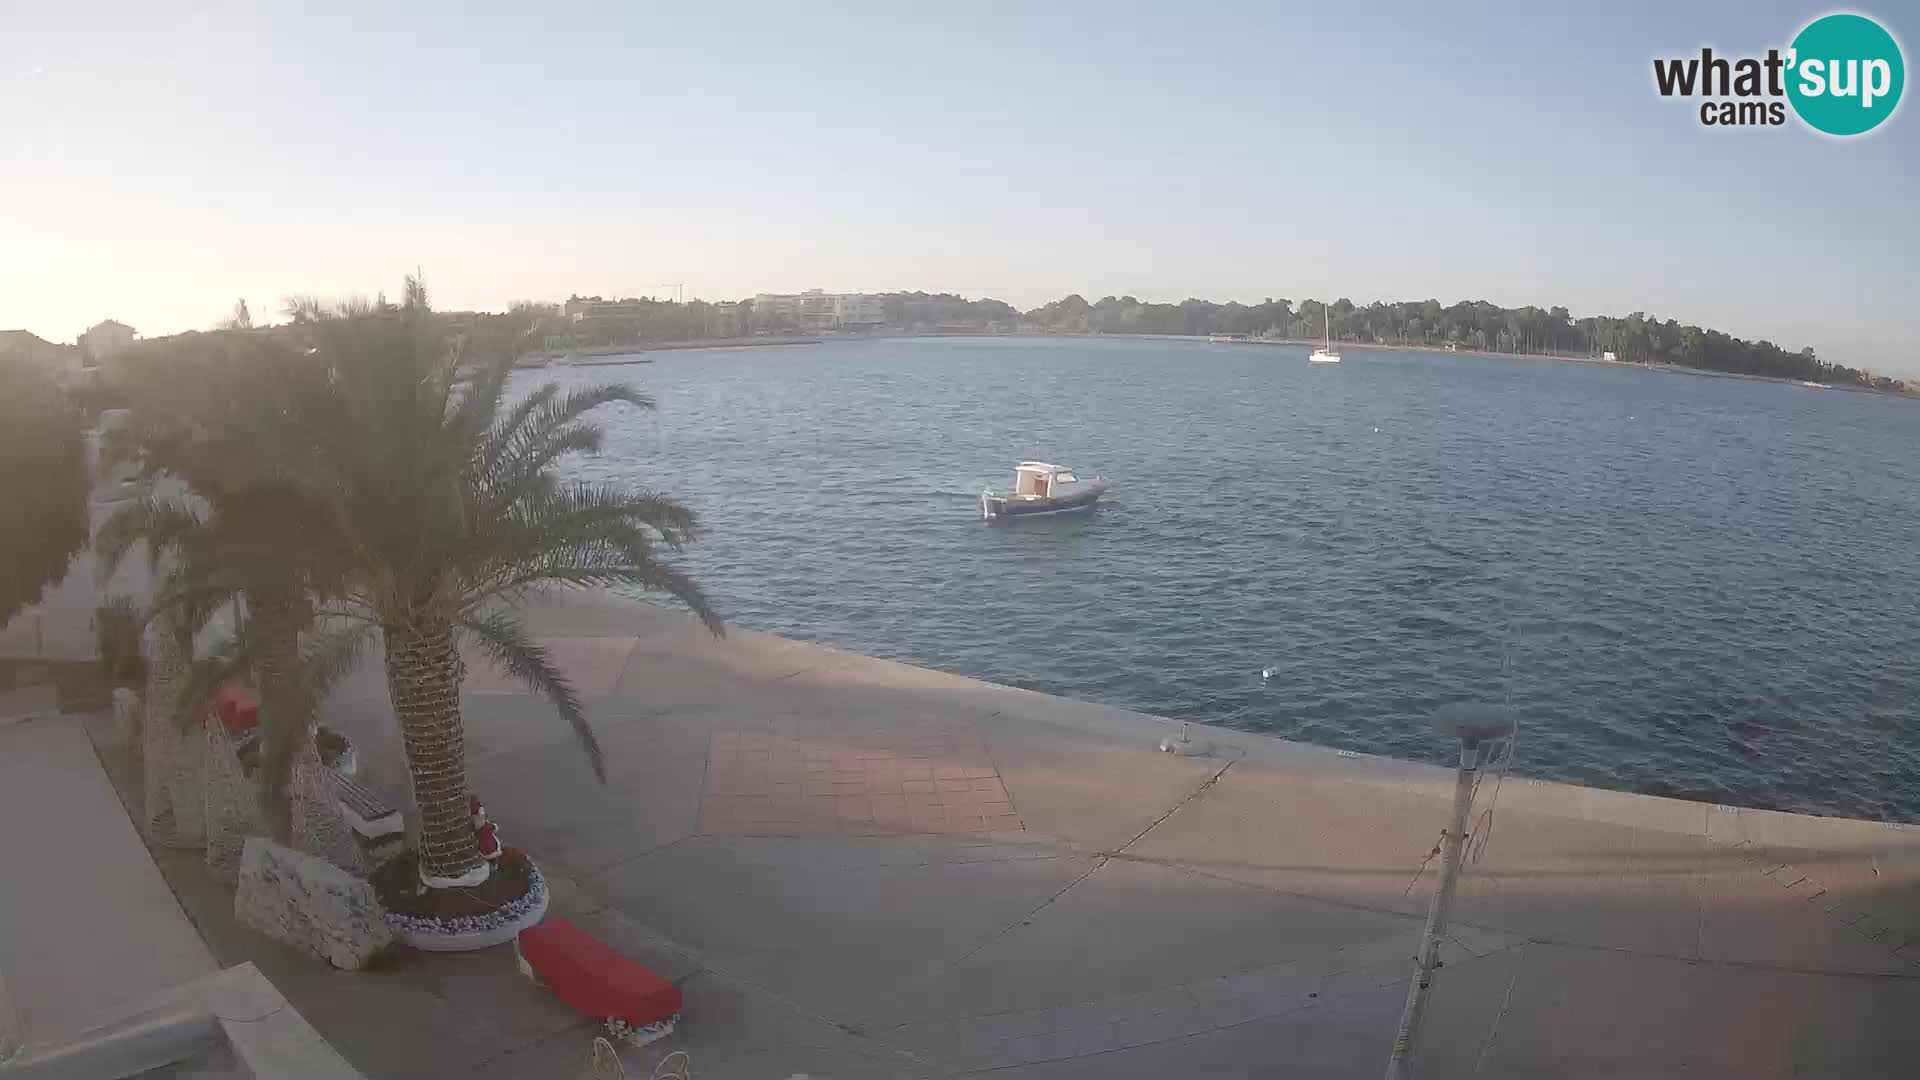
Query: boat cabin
[[1039, 480], [1040, 489]]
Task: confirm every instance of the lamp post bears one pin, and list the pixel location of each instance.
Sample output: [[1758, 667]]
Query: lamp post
[[1480, 729]]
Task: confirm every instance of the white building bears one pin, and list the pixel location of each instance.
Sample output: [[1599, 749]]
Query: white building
[[817, 310], [106, 339]]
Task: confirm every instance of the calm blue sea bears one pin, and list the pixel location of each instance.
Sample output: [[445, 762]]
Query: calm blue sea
[[1699, 587]]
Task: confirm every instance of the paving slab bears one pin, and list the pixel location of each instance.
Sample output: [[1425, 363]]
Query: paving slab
[[731, 1030], [790, 916], [543, 794], [1579, 1012], [1358, 841], [1575, 880], [81, 897], [1135, 927], [1247, 912], [1090, 794], [1301, 1028]]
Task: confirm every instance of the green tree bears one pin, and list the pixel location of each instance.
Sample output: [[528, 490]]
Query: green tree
[[44, 483], [216, 414], [443, 508]]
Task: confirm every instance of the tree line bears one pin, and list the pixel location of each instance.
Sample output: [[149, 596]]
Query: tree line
[[1469, 324]]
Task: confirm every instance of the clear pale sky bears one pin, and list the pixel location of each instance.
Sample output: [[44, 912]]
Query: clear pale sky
[[157, 164]]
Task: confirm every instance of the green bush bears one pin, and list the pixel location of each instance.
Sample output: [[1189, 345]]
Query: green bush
[[43, 481]]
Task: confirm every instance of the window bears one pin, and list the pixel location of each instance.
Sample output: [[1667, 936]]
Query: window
[[1063, 477]]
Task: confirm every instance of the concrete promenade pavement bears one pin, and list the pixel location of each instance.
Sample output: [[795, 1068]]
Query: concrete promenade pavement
[[857, 868], [88, 928]]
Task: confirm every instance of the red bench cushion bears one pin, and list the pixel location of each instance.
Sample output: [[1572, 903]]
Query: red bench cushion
[[593, 978]]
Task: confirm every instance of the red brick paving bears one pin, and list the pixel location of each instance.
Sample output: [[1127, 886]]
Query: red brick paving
[[875, 784]]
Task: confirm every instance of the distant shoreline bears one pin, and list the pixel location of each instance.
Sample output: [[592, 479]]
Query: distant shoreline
[[1670, 369], [621, 354]]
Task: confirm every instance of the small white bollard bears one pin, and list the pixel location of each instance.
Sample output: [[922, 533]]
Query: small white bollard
[[127, 720]]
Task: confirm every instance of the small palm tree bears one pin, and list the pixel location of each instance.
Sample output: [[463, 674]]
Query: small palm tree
[[211, 416], [441, 508]]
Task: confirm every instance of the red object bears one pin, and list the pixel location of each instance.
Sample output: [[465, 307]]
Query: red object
[[489, 840], [594, 979], [236, 708]]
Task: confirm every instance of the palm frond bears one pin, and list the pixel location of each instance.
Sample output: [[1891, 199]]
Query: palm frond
[[505, 640], [229, 659], [304, 309], [474, 413], [531, 425], [572, 524], [653, 577], [529, 474], [165, 524], [327, 656]]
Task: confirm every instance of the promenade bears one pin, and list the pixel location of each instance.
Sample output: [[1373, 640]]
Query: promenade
[[857, 868]]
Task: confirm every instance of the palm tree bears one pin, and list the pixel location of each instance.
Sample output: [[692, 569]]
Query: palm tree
[[441, 510], [213, 412]]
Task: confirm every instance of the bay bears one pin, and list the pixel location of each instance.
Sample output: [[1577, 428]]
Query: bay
[[1700, 587]]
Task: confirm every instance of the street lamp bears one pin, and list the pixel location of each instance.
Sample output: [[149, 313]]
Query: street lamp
[[1482, 730]]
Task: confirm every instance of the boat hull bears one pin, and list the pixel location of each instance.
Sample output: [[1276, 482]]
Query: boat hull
[[1004, 508]]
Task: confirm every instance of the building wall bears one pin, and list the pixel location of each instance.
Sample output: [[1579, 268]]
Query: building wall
[[817, 310], [106, 339]]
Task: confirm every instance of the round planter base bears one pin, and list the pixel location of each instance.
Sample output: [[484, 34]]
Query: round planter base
[[467, 933]]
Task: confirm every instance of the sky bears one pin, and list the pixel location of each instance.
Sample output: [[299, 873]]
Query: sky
[[159, 160]]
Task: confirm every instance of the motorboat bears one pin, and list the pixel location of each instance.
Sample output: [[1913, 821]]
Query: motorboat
[[1040, 489]]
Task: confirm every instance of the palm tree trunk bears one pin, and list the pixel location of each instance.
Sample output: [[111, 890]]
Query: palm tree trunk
[[423, 678], [285, 713]]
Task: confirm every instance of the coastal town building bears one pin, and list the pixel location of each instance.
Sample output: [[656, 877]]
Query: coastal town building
[[817, 310], [582, 308], [105, 339]]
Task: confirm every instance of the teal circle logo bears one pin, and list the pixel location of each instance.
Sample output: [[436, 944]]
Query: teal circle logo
[[1845, 74]]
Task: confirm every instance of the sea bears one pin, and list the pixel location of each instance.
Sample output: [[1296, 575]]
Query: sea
[[1700, 587]]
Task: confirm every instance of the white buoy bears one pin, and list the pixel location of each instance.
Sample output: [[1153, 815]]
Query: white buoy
[[1266, 673]]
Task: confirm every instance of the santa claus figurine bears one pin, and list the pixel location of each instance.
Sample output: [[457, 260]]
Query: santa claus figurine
[[485, 833]]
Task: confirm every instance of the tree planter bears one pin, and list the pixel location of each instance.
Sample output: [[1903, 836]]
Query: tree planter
[[462, 920], [174, 759], [233, 813]]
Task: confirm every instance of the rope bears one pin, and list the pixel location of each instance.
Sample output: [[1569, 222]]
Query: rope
[[1424, 862], [1483, 829], [1476, 839]]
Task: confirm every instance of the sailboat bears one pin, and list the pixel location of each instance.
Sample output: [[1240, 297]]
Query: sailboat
[[1325, 354]]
